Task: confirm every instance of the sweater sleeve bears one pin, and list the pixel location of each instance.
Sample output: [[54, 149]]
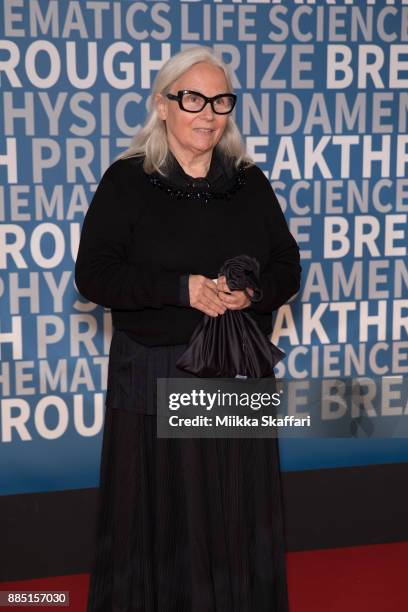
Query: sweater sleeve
[[103, 273], [280, 279]]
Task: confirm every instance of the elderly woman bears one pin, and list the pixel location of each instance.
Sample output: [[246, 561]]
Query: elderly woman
[[184, 524]]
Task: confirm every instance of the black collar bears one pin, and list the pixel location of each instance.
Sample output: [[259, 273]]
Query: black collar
[[219, 175], [221, 181]]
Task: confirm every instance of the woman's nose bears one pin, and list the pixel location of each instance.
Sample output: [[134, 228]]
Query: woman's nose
[[208, 111]]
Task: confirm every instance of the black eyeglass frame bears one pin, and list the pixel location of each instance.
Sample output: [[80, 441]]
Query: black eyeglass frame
[[181, 92]]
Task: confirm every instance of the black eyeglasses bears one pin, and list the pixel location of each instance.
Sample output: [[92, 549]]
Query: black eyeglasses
[[194, 102]]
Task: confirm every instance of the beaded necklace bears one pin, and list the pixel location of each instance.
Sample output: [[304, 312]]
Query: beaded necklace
[[191, 192]]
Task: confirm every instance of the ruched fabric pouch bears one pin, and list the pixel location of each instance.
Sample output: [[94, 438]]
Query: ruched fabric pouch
[[232, 345]]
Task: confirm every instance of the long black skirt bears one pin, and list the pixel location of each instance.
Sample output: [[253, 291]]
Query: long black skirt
[[183, 525]]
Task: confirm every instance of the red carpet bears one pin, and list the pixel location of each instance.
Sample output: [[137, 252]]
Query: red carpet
[[356, 579]]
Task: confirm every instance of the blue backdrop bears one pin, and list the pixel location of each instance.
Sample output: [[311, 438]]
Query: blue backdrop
[[322, 105]]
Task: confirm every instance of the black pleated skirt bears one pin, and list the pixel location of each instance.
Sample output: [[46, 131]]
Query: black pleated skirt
[[183, 525]]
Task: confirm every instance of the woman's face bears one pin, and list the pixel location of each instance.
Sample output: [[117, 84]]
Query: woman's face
[[196, 132]]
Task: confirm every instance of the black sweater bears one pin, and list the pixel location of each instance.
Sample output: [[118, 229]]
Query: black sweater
[[139, 243]]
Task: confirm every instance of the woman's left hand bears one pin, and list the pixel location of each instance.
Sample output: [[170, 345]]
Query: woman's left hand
[[233, 300]]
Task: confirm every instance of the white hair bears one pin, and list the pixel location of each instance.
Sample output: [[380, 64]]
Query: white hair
[[151, 139]]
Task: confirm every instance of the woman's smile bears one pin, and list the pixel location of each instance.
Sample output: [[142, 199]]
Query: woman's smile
[[204, 130]]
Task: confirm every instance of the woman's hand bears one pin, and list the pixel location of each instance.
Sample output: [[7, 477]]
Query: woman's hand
[[203, 295], [233, 300]]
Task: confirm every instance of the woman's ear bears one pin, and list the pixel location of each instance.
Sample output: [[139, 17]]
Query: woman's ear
[[161, 106]]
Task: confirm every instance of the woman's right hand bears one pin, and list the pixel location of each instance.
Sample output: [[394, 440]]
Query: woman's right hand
[[203, 295]]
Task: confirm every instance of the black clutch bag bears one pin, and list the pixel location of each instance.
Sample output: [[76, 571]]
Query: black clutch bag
[[232, 345]]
